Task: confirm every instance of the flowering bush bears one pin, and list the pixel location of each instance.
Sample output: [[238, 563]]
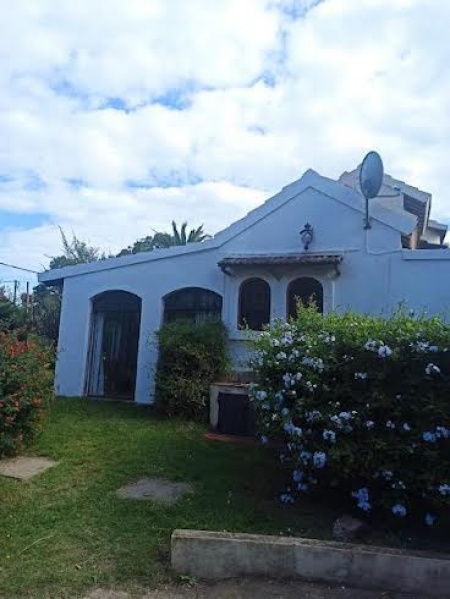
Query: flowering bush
[[25, 390], [361, 405], [192, 356]]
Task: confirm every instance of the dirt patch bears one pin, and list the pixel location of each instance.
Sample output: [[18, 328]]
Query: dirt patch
[[24, 468], [155, 489], [250, 589]]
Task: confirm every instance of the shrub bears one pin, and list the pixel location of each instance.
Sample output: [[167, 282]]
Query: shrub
[[361, 405], [191, 357], [25, 390]]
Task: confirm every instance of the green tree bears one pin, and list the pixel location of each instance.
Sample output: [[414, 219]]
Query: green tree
[[11, 316], [46, 310], [181, 237], [75, 252], [161, 239], [46, 301]]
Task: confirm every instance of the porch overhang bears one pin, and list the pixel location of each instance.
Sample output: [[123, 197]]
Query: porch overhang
[[229, 263]]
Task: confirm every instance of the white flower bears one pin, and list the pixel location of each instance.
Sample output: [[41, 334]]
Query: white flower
[[432, 369], [361, 376], [371, 345], [390, 424]]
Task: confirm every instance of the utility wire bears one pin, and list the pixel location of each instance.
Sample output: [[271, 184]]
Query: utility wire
[[35, 272]]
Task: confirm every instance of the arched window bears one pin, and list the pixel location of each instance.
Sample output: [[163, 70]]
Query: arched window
[[254, 304], [307, 290], [192, 303]]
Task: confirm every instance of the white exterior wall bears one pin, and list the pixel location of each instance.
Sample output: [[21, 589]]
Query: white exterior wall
[[375, 275], [151, 282]]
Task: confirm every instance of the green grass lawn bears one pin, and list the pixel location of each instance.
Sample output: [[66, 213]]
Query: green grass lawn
[[66, 530]]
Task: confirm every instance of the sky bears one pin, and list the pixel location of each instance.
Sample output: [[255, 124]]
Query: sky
[[117, 117]]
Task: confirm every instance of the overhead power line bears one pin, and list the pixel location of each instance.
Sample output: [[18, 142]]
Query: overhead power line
[[35, 272]]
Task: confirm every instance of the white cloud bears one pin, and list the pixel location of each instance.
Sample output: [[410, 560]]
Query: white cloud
[[260, 97]]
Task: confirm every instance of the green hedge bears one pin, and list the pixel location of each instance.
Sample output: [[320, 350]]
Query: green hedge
[[26, 383], [363, 406], [191, 357]]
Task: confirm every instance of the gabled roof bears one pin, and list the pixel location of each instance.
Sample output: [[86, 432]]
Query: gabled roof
[[401, 221]]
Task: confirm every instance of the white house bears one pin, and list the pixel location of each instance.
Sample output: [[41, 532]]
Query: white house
[[251, 272]]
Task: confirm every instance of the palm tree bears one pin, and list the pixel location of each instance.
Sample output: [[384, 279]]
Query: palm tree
[[195, 235]]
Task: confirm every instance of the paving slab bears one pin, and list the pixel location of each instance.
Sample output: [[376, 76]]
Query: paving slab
[[24, 468], [155, 489]]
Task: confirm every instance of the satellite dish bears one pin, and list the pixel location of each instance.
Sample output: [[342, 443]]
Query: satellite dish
[[370, 179]]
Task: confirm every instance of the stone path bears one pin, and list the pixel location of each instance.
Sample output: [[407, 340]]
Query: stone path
[[24, 468], [155, 489]]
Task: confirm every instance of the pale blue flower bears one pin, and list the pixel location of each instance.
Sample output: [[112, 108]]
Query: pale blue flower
[[399, 510], [369, 424], [297, 476], [292, 430], [384, 351], [286, 498], [264, 440], [387, 474], [430, 519], [390, 424], [319, 459], [313, 416], [329, 436], [429, 437], [361, 376], [305, 457], [442, 432], [371, 345], [432, 369], [285, 412], [444, 489], [261, 395], [362, 497], [399, 485], [406, 427], [302, 487]]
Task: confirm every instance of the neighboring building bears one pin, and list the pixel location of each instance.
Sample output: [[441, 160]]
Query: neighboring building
[[252, 272]]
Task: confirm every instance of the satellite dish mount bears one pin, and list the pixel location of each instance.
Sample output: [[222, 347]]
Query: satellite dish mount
[[370, 180]]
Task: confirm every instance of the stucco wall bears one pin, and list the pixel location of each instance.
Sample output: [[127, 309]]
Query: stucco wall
[[374, 276]]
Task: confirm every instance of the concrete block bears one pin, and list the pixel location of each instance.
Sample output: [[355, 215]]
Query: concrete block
[[215, 555]]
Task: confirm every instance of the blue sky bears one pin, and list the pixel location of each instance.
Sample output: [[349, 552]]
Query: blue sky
[[199, 110]]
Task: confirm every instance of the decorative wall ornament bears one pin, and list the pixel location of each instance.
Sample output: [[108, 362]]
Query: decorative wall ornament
[[307, 235]]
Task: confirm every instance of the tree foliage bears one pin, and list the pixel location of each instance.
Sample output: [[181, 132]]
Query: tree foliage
[[191, 357], [163, 240], [75, 251]]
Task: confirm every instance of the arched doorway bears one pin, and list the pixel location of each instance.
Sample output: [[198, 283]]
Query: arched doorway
[[306, 290], [112, 365]]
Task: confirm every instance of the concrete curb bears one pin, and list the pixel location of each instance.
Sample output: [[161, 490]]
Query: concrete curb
[[216, 555]]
